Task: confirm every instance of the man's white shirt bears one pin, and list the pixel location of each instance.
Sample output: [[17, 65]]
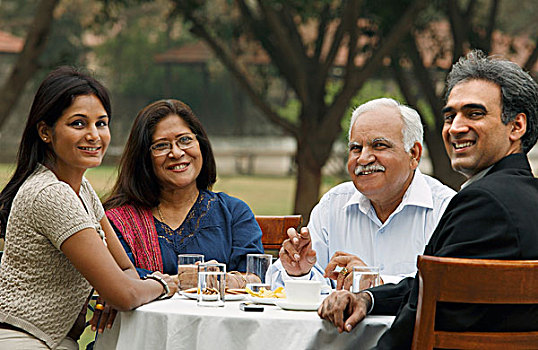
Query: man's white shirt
[[345, 220]]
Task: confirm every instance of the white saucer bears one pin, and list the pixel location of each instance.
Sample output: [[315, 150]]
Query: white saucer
[[227, 297], [284, 304]]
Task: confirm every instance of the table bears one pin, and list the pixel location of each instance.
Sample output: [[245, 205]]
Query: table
[[178, 323]]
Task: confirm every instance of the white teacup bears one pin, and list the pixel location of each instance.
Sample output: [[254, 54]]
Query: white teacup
[[303, 292]]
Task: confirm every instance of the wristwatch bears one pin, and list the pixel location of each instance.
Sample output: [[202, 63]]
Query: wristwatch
[[161, 280]]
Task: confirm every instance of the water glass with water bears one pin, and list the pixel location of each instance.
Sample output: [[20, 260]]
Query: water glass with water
[[187, 271], [365, 277], [211, 284], [258, 264]]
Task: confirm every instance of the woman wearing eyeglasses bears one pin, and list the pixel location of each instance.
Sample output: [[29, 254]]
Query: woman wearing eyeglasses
[[162, 204]]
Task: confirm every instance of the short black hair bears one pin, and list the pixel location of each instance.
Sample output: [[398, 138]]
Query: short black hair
[[518, 89]]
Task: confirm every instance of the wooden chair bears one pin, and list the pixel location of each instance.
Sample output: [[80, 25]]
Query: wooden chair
[[476, 281], [274, 229]]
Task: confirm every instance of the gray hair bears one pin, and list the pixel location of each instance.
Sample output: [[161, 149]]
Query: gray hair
[[412, 131], [519, 91]]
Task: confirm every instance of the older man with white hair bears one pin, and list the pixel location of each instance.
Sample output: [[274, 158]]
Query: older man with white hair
[[383, 217]]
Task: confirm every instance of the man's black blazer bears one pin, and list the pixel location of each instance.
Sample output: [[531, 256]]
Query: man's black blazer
[[495, 217]]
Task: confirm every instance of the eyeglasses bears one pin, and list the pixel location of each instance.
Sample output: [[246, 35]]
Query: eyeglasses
[[164, 147]]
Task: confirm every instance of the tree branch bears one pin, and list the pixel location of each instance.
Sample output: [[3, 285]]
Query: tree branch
[[358, 76], [241, 74], [457, 27], [27, 62], [407, 91], [531, 61], [353, 38], [424, 79], [405, 87], [260, 30], [349, 17], [490, 26], [289, 55], [471, 6], [322, 31]]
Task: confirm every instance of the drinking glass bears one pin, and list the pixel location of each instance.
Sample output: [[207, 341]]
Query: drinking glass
[[211, 284], [365, 277], [258, 264], [187, 271]]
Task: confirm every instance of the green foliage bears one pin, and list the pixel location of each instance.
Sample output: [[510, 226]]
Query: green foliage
[[518, 18], [16, 15], [291, 110], [129, 59], [372, 89], [426, 113], [65, 45], [385, 12]]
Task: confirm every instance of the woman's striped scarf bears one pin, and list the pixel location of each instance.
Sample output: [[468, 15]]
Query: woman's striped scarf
[[138, 229]]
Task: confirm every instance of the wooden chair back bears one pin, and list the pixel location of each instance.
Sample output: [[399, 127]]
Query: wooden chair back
[[476, 281], [274, 229]]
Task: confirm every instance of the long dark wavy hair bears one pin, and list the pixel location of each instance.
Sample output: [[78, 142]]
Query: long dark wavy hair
[[137, 183], [55, 94]]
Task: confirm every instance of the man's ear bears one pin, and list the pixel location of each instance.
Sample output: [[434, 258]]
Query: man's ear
[[519, 127], [44, 132], [416, 153]]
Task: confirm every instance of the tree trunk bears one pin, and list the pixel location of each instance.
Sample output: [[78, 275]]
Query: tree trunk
[[313, 150], [308, 184], [531, 61], [440, 162], [26, 64], [442, 169]]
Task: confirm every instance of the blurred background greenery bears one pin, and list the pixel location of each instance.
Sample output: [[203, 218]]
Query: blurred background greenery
[[261, 75], [266, 195]]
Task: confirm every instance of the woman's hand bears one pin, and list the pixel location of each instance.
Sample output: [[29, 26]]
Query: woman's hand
[[239, 280], [187, 275], [170, 280], [252, 278], [234, 281], [103, 316], [80, 323]]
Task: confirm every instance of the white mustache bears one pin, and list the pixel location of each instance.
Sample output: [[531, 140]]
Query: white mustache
[[370, 167]]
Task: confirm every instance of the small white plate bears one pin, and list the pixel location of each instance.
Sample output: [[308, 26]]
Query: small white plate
[[258, 300], [284, 304], [227, 297]]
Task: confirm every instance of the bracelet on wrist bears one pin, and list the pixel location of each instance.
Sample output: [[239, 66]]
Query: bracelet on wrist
[[166, 289]]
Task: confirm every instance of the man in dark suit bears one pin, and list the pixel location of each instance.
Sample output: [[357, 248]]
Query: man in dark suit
[[491, 123]]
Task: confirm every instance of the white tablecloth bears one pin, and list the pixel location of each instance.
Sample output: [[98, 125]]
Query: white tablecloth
[[179, 323]]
